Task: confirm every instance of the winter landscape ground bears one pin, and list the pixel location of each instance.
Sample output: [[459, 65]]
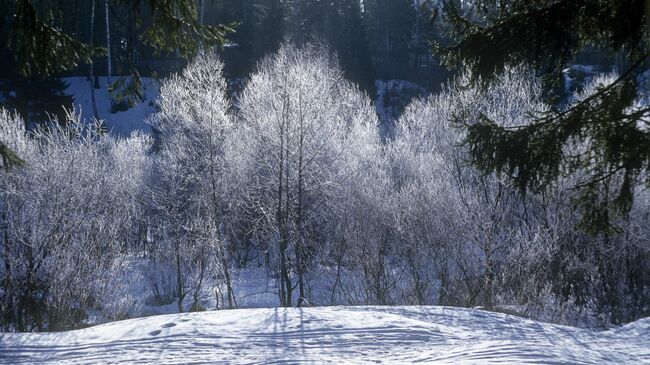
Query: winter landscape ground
[[394, 335]]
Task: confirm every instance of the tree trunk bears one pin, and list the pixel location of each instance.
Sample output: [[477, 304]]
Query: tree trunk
[[300, 255], [232, 301], [284, 273], [108, 45], [9, 300], [281, 217], [221, 251], [201, 9], [179, 277], [196, 305], [92, 61]]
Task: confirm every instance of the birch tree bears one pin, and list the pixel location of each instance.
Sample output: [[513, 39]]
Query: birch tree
[[297, 115], [193, 121]]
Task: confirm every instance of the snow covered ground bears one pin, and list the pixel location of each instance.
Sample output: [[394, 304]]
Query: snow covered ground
[[120, 123], [396, 335]]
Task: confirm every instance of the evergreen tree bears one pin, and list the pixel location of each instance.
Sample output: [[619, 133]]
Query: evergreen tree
[[390, 25], [240, 58], [272, 25], [610, 127], [352, 45], [308, 19], [41, 46]]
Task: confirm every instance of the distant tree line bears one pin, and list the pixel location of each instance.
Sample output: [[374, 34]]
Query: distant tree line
[[373, 39], [148, 36]]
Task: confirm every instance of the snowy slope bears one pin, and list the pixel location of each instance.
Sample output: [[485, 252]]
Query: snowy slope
[[397, 335]]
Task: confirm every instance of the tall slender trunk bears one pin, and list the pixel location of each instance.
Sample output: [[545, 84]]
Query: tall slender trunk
[[282, 210], [92, 59], [300, 255], [196, 296], [9, 299], [217, 212], [232, 301], [133, 38], [108, 45], [418, 34], [285, 285], [285, 224], [201, 9], [179, 276]]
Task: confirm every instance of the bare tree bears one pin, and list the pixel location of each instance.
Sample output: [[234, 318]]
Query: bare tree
[[194, 121], [67, 214], [298, 112]]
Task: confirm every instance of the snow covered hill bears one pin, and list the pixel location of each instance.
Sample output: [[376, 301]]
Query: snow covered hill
[[396, 335]]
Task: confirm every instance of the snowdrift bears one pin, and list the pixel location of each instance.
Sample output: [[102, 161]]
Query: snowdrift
[[438, 335]]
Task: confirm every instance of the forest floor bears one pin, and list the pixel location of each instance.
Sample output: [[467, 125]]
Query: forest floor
[[397, 335]]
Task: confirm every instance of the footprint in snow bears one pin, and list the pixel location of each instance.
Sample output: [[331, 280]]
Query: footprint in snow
[[154, 333], [168, 325]]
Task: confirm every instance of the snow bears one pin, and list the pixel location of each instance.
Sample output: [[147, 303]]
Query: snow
[[355, 335], [120, 123], [129, 292]]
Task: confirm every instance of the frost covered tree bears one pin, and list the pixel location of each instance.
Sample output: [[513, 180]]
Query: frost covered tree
[[486, 244], [67, 213], [193, 121], [300, 121], [459, 216]]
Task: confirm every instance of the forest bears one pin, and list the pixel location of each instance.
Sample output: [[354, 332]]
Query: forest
[[293, 177]]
